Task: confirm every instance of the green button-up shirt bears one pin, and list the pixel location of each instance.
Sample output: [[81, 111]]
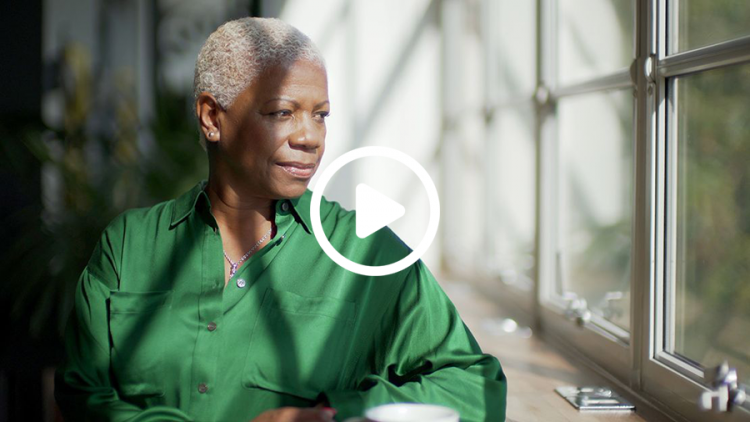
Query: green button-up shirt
[[156, 336]]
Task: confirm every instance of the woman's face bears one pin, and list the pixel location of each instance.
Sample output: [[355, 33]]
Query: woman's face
[[273, 135]]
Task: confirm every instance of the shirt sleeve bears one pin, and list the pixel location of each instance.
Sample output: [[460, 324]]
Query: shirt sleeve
[[83, 389], [428, 356]]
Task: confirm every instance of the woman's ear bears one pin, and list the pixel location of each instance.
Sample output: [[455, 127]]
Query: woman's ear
[[207, 110]]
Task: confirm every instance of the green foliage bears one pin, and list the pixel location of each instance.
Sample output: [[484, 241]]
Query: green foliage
[[706, 22], [713, 233], [98, 177]]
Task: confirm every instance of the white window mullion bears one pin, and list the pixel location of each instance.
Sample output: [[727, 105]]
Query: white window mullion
[[706, 58], [619, 80]]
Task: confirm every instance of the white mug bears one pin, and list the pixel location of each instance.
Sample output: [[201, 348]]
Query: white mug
[[408, 412]]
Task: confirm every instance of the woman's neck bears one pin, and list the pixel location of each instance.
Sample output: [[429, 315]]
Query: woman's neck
[[237, 213], [243, 220]]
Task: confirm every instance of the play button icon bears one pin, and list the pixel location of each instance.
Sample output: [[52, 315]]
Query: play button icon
[[375, 210]]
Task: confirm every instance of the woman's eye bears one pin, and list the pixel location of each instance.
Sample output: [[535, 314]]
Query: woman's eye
[[282, 113], [323, 114]]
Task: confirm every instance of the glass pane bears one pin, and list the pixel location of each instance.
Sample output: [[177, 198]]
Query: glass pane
[[712, 303], [706, 22], [595, 197], [512, 48], [512, 181], [595, 38], [463, 232]]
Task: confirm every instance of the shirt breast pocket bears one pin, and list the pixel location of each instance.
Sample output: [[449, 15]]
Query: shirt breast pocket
[[137, 323], [299, 345]]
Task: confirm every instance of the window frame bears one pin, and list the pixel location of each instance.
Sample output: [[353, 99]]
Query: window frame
[[638, 363], [670, 379], [520, 299], [616, 347]]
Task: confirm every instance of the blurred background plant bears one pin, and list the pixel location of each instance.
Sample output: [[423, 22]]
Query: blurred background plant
[[96, 119], [91, 176]]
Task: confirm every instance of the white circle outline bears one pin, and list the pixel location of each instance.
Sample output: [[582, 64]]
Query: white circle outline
[[432, 225]]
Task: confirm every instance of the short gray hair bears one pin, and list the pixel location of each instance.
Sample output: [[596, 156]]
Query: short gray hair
[[239, 50]]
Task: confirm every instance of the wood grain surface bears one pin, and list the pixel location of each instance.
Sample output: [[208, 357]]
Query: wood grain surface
[[533, 368]]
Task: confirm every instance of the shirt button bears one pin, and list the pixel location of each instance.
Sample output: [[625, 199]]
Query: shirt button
[[241, 283], [211, 326], [202, 387], [285, 206]]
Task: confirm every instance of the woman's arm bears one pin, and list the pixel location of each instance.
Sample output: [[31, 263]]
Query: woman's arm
[[426, 354], [83, 389]]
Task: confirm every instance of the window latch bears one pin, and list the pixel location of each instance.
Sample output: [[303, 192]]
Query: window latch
[[725, 392], [613, 307], [577, 309]]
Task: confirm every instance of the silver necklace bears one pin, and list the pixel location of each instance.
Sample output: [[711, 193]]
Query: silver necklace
[[233, 266]]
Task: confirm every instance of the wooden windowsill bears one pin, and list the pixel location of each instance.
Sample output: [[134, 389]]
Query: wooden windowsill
[[533, 368]]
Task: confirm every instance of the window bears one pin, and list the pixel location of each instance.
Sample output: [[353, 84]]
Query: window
[[699, 23], [592, 39], [618, 185], [512, 181], [702, 200], [594, 206], [711, 234], [511, 174]]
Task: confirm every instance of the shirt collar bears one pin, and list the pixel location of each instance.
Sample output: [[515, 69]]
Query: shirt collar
[[301, 206], [187, 202]]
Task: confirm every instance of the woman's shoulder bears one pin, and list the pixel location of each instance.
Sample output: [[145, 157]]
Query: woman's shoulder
[[140, 220], [163, 215], [334, 211], [131, 230]]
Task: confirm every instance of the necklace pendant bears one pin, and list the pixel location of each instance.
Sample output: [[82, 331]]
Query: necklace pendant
[[232, 269]]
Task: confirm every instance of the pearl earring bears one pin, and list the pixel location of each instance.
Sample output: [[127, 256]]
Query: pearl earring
[[210, 134]]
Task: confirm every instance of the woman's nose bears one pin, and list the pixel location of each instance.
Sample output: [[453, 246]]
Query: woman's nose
[[309, 134]]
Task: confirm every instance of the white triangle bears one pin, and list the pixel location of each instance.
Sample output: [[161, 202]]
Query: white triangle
[[374, 210]]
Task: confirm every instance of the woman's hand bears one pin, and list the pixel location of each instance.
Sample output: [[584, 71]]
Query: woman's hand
[[295, 414]]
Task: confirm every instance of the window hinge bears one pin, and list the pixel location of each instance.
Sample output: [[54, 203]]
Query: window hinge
[[725, 391], [649, 73], [542, 96], [649, 69]]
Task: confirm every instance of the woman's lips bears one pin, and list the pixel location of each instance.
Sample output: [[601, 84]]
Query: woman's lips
[[301, 170]]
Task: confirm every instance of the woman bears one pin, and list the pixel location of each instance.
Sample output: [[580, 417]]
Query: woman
[[220, 305]]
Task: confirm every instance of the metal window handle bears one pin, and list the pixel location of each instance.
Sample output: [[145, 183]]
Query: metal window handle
[[577, 309], [613, 307], [725, 391]]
